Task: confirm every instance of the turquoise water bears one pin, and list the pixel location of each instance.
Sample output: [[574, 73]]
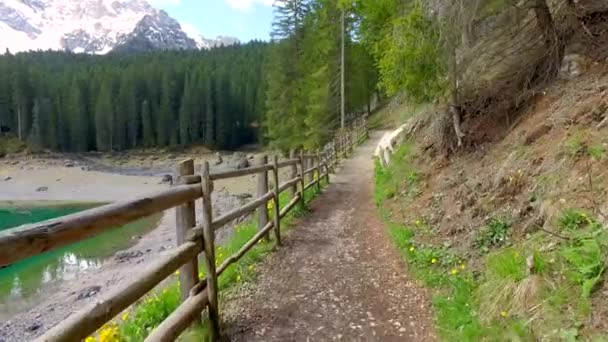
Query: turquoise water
[[23, 281]]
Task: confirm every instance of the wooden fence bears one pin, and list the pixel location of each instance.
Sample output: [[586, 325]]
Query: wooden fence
[[197, 294]]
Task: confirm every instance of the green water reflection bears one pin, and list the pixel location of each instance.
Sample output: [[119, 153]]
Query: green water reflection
[[23, 280]]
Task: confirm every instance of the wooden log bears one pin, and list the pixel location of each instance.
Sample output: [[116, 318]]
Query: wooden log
[[290, 162], [179, 320], [318, 164], [246, 247], [209, 243], [310, 185], [86, 321], [310, 171], [188, 179], [28, 240], [242, 172], [185, 219], [309, 166], [262, 189], [293, 173], [289, 206], [289, 184], [277, 204], [241, 211], [302, 181]]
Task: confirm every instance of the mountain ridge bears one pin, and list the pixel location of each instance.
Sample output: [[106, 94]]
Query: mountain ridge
[[94, 27]]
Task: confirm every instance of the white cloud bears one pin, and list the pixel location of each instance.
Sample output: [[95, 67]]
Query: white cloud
[[245, 5], [190, 30], [160, 3]]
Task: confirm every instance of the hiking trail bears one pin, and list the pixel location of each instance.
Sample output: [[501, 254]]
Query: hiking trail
[[337, 277]]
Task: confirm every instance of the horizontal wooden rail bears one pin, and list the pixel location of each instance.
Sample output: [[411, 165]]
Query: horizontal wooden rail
[[285, 210], [288, 162], [239, 212], [190, 179], [180, 319], [86, 321], [240, 173], [28, 240], [289, 184], [243, 250], [311, 170]]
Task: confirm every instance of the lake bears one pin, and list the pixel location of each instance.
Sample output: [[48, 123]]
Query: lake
[[22, 282]]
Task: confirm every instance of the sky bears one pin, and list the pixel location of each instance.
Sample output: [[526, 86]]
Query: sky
[[244, 19]]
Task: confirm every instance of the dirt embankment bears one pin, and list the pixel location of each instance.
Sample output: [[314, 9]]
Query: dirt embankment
[[525, 173]]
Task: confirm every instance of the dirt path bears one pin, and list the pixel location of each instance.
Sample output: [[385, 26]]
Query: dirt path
[[337, 278]]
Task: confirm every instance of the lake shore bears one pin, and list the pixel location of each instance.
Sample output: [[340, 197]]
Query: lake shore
[[36, 181]]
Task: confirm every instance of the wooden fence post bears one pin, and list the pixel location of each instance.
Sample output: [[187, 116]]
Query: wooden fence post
[[277, 207], [185, 220], [293, 174], [262, 189], [319, 170], [209, 248], [302, 168], [309, 165]]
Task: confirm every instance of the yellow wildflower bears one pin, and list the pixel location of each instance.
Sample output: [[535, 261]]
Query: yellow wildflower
[[417, 222], [250, 267], [462, 266], [270, 204], [238, 277], [433, 261], [454, 271], [90, 339], [412, 249], [125, 316], [201, 275], [504, 314], [177, 272]]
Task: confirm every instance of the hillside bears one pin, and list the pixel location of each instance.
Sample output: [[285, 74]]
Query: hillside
[[510, 231]]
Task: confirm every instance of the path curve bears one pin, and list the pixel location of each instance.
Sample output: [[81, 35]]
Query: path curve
[[337, 277]]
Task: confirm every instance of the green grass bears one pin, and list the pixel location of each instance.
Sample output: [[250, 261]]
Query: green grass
[[538, 288]]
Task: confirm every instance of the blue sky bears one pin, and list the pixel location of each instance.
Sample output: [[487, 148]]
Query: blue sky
[[244, 19]]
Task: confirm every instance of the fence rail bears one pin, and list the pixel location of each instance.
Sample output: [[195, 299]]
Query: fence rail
[[306, 171]]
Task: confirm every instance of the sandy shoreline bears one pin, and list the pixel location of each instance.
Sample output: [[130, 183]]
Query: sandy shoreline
[[38, 181]]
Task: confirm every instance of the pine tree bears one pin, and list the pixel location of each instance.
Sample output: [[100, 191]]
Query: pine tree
[[147, 125], [104, 118]]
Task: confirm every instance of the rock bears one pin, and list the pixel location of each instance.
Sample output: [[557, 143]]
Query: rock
[[250, 157], [167, 179], [218, 159], [34, 327], [16, 162], [42, 189], [572, 66], [239, 161], [68, 164], [89, 292], [85, 168], [244, 196], [537, 134], [172, 156], [125, 256], [6, 179]]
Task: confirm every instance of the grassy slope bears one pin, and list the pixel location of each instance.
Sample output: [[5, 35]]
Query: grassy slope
[[507, 236]]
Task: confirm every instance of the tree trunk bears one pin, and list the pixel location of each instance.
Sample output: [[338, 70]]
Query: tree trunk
[[455, 108], [553, 43]]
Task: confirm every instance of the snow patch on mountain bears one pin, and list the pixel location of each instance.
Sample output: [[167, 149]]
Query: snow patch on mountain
[[92, 26]]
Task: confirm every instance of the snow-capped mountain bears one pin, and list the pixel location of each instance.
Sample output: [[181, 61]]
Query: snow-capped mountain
[[93, 26]]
